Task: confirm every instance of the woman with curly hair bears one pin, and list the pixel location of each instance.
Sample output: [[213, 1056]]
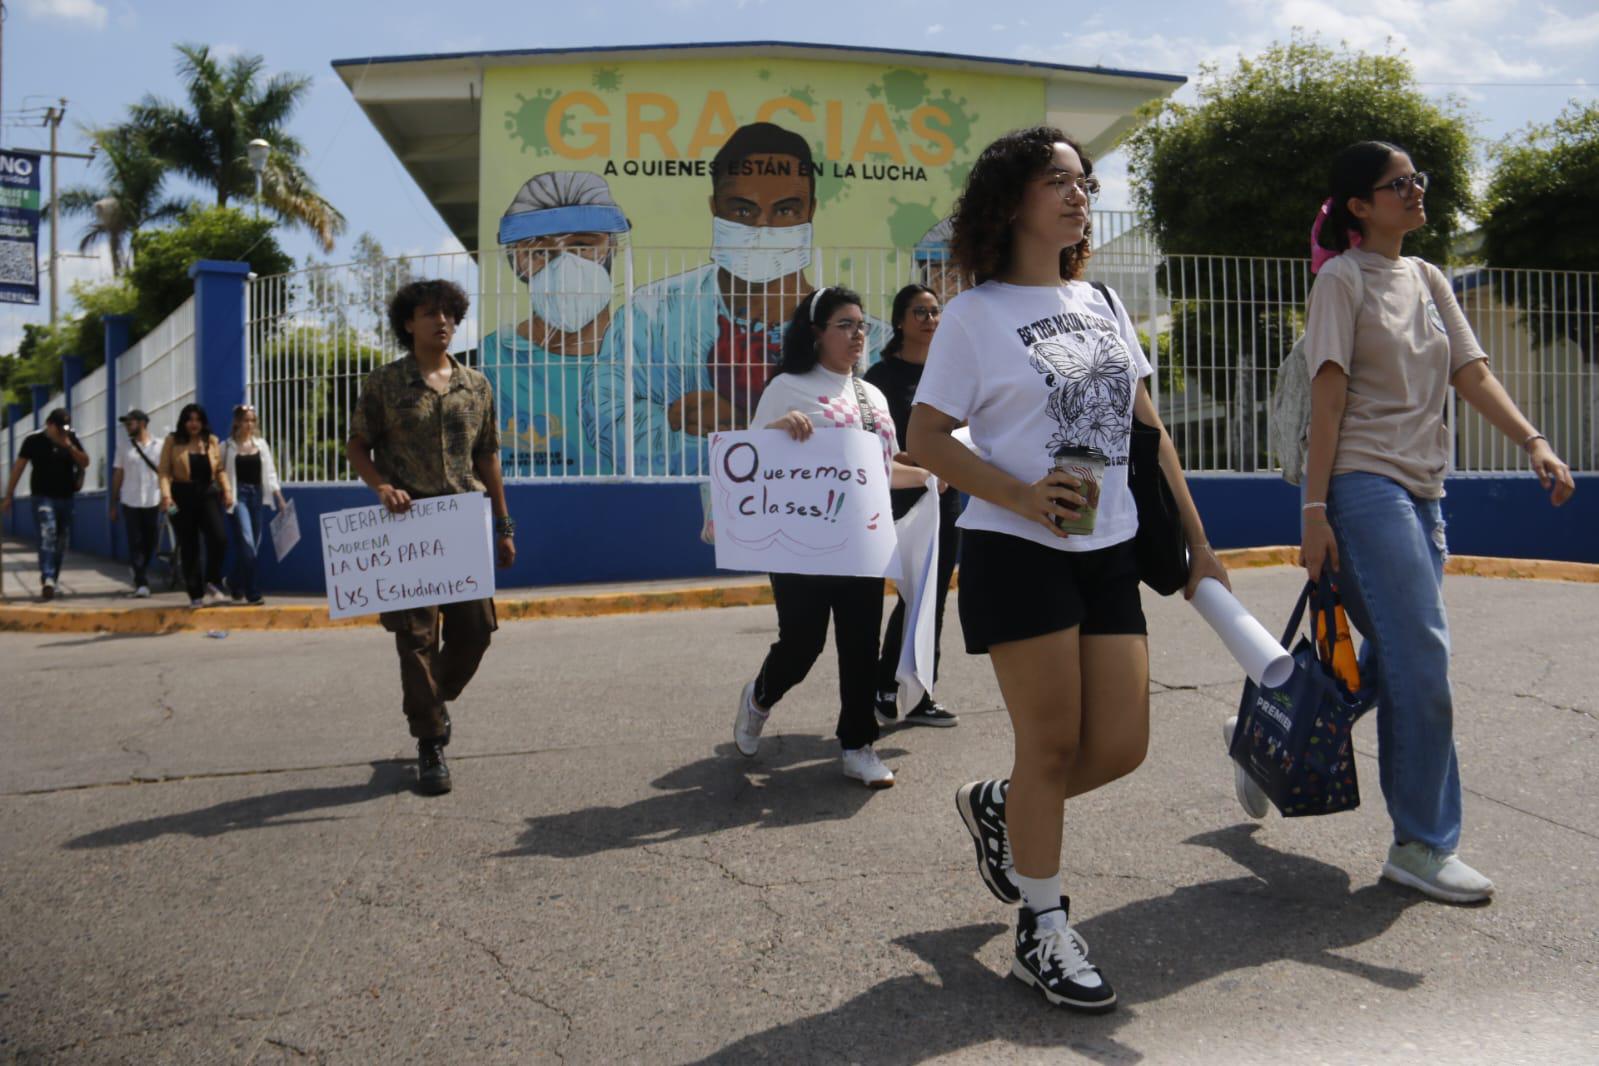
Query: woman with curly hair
[[1048, 372]]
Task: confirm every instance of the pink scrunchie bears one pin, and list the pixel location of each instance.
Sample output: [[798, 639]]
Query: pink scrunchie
[[1319, 255]]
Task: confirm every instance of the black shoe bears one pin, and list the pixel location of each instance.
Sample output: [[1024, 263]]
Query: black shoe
[[1054, 960], [930, 712], [47, 590], [449, 728], [888, 707], [432, 776], [982, 808]]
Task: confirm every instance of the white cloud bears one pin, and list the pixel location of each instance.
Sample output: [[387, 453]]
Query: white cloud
[[1559, 30], [87, 12], [935, 28]]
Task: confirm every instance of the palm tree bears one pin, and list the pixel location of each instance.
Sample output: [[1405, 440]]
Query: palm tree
[[129, 198], [206, 137]]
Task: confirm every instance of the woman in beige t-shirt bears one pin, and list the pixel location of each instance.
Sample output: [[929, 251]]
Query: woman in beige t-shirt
[[1386, 340]]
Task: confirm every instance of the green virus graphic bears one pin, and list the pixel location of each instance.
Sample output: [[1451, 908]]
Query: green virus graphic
[[525, 122], [905, 89], [806, 96], [960, 121], [957, 175], [607, 79], [874, 90], [907, 223], [764, 75], [830, 187]]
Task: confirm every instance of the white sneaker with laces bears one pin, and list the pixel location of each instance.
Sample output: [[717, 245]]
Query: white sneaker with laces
[[748, 724], [864, 766], [142, 592], [1250, 797]]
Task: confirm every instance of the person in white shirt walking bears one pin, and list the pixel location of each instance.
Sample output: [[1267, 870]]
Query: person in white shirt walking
[[136, 495], [254, 477], [1048, 371], [816, 388]]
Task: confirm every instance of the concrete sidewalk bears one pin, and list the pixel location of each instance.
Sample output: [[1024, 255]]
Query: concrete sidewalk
[[210, 851], [94, 596]]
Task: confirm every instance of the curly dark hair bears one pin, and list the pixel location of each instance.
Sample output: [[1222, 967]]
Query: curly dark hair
[[799, 337], [433, 293], [981, 243], [180, 432]]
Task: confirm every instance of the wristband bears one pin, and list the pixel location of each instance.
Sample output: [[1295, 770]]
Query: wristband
[[505, 526], [1316, 506], [1529, 440]]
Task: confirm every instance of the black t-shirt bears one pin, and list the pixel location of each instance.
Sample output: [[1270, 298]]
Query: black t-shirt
[[51, 471], [897, 380]]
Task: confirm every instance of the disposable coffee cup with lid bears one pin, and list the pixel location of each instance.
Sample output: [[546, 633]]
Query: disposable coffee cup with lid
[[1087, 465]]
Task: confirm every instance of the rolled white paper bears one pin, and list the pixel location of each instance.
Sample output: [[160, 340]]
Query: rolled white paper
[[1257, 651]]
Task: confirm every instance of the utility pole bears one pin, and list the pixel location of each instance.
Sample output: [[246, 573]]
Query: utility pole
[[52, 118]]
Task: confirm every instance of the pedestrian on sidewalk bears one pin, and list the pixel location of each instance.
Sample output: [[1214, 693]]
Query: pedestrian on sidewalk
[[195, 493], [1386, 340], [1041, 363], [58, 461], [816, 388], [254, 477], [425, 426], [136, 494], [915, 319]]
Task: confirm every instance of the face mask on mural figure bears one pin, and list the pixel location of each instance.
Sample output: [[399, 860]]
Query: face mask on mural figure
[[760, 254], [570, 292]]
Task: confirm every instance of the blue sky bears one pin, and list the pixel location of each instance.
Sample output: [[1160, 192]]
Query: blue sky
[[1512, 61]]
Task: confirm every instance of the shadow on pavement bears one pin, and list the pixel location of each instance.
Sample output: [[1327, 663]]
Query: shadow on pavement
[[256, 812], [795, 780], [1292, 908]]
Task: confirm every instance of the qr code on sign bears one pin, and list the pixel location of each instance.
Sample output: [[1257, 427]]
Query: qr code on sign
[[18, 265]]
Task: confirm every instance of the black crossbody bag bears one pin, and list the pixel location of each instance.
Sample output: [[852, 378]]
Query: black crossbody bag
[[1160, 547]]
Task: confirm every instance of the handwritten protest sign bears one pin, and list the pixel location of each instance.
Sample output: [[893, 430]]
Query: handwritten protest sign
[[818, 506], [439, 551]]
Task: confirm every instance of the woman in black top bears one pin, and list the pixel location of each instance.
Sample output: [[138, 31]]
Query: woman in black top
[[915, 318], [195, 490]]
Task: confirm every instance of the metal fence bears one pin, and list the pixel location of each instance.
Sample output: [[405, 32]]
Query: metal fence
[[619, 363], [157, 375]]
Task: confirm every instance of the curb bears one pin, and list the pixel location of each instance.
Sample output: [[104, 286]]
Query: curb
[[160, 620]]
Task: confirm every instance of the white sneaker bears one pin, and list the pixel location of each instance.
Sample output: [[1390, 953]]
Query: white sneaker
[[214, 595], [1250, 796], [1439, 874], [863, 765], [749, 723], [142, 592]]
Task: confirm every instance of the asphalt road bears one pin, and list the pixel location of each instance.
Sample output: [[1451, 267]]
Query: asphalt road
[[210, 852]]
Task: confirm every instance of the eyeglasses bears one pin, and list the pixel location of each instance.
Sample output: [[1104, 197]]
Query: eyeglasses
[[926, 314], [1087, 187], [849, 326], [1406, 185]]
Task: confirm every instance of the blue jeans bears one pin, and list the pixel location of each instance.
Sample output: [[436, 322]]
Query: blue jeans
[[52, 518], [244, 537], [1391, 550]]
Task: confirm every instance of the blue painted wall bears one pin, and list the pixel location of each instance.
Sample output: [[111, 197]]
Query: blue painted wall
[[579, 533]]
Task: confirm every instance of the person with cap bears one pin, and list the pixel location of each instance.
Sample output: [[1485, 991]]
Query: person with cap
[[560, 234], [136, 494], [58, 460]]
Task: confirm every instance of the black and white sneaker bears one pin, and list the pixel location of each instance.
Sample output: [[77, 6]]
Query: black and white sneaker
[[930, 712], [982, 808], [1053, 958], [887, 707]]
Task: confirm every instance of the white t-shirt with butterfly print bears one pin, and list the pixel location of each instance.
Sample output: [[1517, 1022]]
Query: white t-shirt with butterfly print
[[1032, 368], [830, 401]]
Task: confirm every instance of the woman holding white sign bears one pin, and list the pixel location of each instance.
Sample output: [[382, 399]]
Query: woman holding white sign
[[816, 388], [1048, 372]]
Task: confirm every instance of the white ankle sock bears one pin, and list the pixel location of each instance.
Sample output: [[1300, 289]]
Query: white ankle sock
[[1040, 894]]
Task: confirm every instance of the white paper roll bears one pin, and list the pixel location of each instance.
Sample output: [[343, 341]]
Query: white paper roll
[[1257, 651]]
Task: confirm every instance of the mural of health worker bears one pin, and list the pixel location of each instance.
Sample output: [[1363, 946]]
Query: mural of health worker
[[706, 341], [934, 267], [561, 235]]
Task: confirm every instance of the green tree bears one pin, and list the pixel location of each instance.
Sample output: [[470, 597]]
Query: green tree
[[227, 105], [1241, 173], [162, 257], [130, 190], [1541, 212]]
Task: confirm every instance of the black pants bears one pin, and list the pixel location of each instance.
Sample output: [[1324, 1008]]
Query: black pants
[[143, 526], [804, 605], [948, 551], [199, 519], [440, 649]]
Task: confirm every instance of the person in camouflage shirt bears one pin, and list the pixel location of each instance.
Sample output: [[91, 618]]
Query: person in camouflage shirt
[[425, 426]]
